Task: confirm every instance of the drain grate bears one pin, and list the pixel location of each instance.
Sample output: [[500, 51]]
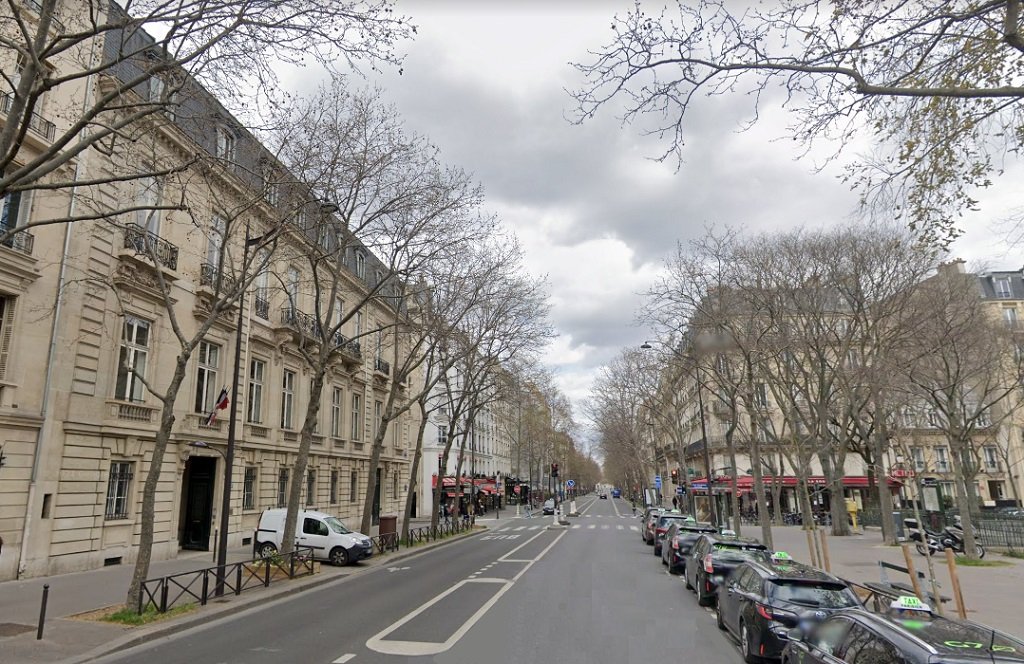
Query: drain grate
[[13, 629]]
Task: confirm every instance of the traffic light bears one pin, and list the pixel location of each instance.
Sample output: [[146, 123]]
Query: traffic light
[[675, 476], [554, 470]]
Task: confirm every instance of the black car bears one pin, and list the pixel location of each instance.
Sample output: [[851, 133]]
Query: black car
[[679, 540], [713, 557], [763, 600], [914, 636], [661, 527]]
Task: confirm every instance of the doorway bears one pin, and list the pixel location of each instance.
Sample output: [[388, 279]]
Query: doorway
[[375, 514], [197, 503]]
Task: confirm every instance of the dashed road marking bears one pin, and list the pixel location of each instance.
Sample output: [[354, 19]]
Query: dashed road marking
[[521, 528], [618, 527], [604, 526], [344, 658], [592, 526], [634, 529]]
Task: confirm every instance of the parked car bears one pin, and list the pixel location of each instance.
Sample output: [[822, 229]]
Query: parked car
[[912, 635], [647, 524], [665, 519], [325, 534], [549, 507], [713, 557], [679, 539], [763, 600]]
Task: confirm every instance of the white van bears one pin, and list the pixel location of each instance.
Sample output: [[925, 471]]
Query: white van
[[325, 534]]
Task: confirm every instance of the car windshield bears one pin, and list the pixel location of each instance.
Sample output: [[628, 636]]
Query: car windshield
[[738, 554], [822, 595], [666, 520], [337, 526]]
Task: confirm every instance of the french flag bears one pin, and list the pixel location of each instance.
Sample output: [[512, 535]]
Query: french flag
[[221, 404]]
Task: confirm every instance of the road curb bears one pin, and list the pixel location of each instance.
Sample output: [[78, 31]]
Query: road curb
[[207, 614]]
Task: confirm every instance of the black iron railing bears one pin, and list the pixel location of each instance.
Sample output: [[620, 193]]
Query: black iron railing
[[22, 241], [208, 277], [150, 244], [346, 344], [166, 592], [262, 307], [36, 122], [382, 366]]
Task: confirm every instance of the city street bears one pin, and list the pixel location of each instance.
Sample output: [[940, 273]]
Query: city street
[[591, 592]]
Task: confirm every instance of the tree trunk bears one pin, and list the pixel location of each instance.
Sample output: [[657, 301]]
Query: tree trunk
[[734, 497], [371, 481], [147, 515], [963, 502], [879, 441], [298, 479], [414, 474], [837, 499]]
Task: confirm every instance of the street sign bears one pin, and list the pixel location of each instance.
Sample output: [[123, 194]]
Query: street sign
[[570, 483], [657, 481], [517, 489]]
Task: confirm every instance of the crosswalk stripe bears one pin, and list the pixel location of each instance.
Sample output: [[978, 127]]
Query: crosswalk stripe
[[502, 530], [534, 527], [618, 527], [575, 526], [592, 526], [521, 528], [604, 526], [635, 529]]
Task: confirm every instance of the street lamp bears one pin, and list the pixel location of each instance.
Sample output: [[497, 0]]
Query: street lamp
[[704, 435]]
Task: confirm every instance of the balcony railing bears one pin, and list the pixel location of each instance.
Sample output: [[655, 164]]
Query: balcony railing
[[346, 344], [208, 277], [22, 241], [262, 307], [301, 322], [382, 366], [36, 122], [149, 244]]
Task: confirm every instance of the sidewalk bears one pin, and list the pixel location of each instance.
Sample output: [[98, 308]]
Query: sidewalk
[[74, 640], [992, 594]]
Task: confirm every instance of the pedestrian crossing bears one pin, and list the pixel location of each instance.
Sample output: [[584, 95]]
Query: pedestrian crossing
[[577, 526]]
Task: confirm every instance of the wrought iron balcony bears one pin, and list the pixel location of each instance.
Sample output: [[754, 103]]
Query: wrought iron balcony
[[382, 365], [262, 307], [301, 322], [22, 241], [36, 122], [347, 345], [150, 244], [208, 277]]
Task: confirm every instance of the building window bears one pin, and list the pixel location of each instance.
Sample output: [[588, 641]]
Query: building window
[[336, 397], [282, 488], [248, 488], [1002, 287], [225, 143], [310, 488], [991, 458], [339, 311], [378, 409], [147, 197], [760, 395], [118, 485], [132, 360], [361, 265], [394, 485], [6, 332], [292, 288], [379, 343], [442, 435], [334, 487], [941, 460], [206, 377], [357, 417], [1010, 317], [353, 485], [287, 399], [254, 406], [358, 324], [918, 455], [14, 209], [272, 194], [215, 242]]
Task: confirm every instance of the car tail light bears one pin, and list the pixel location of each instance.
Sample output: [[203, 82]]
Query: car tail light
[[765, 612], [708, 566]]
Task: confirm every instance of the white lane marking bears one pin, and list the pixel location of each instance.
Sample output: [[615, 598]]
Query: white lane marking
[[344, 658], [418, 648], [592, 526], [615, 507], [604, 526], [634, 529], [521, 528], [618, 527], [505, 558], [575, 526], [535, 527], [503, 530]]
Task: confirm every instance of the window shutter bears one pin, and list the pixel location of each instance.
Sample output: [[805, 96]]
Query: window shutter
[[6, 334]]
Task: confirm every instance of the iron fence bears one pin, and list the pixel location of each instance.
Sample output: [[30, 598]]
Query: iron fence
[[991, 531], [164, 593]]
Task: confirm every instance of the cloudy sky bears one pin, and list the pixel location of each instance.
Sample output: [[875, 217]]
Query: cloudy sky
[[486, 81]]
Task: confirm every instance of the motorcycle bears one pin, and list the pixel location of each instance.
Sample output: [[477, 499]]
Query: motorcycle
[[928, 542]]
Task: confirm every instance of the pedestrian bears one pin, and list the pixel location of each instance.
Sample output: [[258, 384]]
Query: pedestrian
[[529, 509], [675, 503]]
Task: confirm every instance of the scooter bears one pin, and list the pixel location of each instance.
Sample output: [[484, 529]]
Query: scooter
[[928, 542]]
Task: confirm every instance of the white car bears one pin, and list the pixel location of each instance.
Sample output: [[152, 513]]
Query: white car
[[325, 534]]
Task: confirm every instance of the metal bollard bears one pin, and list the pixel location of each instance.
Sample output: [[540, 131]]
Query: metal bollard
[[42, 611]]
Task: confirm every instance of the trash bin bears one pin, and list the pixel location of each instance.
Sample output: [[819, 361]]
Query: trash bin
[[389, 531], [897, 519]]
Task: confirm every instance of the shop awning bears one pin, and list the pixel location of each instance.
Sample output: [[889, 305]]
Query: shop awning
[[745, 483]]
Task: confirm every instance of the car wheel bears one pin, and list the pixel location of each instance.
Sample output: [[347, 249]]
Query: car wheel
[[718, 618], [701, 597], [339, 556], [267, 549], [748, 648]]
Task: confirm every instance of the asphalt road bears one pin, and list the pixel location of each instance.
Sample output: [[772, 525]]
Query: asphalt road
[[591, 593]]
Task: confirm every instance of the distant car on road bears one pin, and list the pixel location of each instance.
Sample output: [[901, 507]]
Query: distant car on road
[[549, 507], [713, 557], [763, 600], [616, 493], [913, 635], [603, 496]]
